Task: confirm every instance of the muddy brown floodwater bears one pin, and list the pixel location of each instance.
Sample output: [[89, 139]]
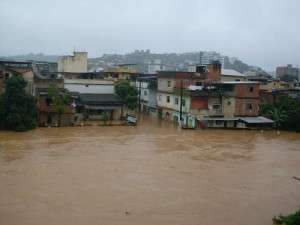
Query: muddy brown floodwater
[[152, 174]]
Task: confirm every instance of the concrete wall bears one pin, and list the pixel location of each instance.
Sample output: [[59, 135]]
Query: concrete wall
[[117, 113], [89, 86], [226, 78], [163, 84], [162, 102], [66, 119], [214, 72], [241, 108], [246, 90], [228, 107], [76, 63], [27, 75]]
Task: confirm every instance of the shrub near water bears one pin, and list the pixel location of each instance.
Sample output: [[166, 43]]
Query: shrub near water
[[293, 219], [285, 112], [17, 108]]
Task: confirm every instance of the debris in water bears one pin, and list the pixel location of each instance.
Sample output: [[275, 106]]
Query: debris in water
[[297, 178]]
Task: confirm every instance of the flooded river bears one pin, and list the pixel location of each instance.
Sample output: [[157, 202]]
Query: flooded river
[[152, 174]]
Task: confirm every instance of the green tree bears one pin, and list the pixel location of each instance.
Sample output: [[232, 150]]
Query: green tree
[[127, 93], [17, 108], [278, 115], [293, 219], [285, 112], [60, 98]]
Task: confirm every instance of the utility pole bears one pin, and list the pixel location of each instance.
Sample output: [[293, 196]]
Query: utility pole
[[181, 94], [140, 91]]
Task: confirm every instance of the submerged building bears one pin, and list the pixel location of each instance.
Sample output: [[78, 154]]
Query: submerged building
[[201, 99]]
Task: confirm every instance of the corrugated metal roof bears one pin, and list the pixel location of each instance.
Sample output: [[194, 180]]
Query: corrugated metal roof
[[219, 119], [88, 81], [100, 98], [239, 82], [252, 120], [259, 119], [101, 107], [229, 72]]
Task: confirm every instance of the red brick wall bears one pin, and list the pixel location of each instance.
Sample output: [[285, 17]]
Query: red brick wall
[[245, 90], [199, 103], [185, 83], [214, 73], [43, 107], [241, 107]]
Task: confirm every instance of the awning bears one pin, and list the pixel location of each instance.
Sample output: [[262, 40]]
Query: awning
[[250, 120], [100, 107], [219, 119], [256, 120]]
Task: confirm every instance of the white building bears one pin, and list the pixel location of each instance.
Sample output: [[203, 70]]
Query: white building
[[76, 63], [209, 56], [89, 86]]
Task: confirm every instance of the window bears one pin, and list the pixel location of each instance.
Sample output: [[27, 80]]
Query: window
[[249, 106], [159, 98], [219, 122], [145, 93], [168, 99], [183, 102], [216, 107], [176, 101], [48, 101], [86, 85], [198, 83], [228, 103], [169, 83], [251, 89]]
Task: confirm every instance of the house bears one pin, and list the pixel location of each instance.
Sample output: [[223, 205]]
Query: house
[[173, 100], [94, 99], [45, 69], [225, 74], [147, 87], [76, 63], [100, 107], [48, 114], [47, 111], [232, 75], [9, 68], [45, 83], [121, 72], [202, 99], [89, 86], [228, 101]]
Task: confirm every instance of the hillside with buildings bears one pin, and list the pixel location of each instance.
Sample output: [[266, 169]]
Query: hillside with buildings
[[144, 60]]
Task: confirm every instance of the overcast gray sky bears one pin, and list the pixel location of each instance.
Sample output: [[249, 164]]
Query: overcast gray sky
[[265, 33]]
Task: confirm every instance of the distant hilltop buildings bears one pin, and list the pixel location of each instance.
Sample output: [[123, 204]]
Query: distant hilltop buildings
[[145, 61], [288, 70]]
